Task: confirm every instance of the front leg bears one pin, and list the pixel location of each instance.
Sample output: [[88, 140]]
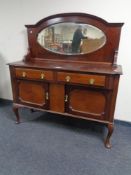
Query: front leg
[[15, 109], [110, 131]]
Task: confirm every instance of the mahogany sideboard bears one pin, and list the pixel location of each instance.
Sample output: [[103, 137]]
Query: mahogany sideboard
[[81, 84]]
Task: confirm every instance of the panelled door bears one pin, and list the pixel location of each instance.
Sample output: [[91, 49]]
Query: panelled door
[[87, 102], [33, 93]]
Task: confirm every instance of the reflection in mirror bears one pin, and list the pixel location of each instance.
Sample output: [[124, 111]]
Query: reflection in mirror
[[71, 38]]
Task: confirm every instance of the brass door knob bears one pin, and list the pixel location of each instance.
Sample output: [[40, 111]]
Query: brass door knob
[[66, 98], [68, 78], [47, 96], [91, 81]]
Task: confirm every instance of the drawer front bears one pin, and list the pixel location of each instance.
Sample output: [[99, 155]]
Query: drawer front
[[33, 74], [88, 79]]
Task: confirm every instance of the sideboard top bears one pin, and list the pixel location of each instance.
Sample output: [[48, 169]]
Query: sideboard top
[[72, 67]]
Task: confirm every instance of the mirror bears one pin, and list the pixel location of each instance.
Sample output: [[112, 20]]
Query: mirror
[[71, 38]]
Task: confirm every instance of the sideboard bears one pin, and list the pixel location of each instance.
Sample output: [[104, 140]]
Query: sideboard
[[54, 78]]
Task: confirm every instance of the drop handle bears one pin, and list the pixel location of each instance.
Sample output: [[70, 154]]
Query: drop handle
[[42, 76], [68, 78], [91, 81], [23, 74]]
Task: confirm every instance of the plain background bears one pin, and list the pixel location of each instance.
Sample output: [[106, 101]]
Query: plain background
[[14, 14]]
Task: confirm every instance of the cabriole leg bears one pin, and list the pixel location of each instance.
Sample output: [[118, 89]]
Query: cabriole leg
[[15, 109], [110, 131]]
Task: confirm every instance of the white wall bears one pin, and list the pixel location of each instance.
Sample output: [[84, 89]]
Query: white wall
[[14, 14]]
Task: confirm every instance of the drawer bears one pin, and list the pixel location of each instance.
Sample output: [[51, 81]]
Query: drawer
[[33, 74], [89, 79]]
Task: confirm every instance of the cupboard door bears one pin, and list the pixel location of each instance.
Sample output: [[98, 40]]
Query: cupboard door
[[87, 102], [33, 93]]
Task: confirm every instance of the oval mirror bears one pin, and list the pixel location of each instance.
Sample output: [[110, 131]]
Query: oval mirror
[[71, 38]]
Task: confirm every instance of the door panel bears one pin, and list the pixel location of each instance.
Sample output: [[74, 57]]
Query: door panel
[[87, 102], [33, 93]]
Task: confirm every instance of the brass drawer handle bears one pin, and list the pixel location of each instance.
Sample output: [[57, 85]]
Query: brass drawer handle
[[68, 78], [42, 76], [23, 74], [91, 81]]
